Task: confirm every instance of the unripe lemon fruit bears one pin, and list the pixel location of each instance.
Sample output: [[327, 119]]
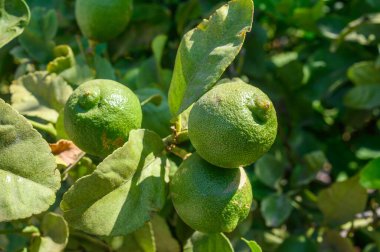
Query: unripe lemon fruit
[[100, 114], [233, 124], [210, 199], [102, 20]]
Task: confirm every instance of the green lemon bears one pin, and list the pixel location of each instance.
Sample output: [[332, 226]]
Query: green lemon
[[102, 20], [233, 124], [210, 199], [99, 116]]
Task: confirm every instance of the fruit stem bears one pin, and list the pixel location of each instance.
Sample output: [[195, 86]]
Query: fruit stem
[[71, 166], [176, 138], [179, 152]]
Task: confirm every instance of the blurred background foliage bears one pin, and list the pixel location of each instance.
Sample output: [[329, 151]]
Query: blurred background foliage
[[318, 60]]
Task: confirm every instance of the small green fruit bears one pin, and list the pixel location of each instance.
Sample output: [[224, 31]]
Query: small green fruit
[[233, 124], [210, 199], [99, 116], [102, 20]]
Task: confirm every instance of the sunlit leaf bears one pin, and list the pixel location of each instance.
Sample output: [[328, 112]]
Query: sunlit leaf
[[364, 30], [37, 39], [28, 175], [14, 17], [206, 51], [124, 190], [54, 234], [40, 95], [64, 59], [253, 245], [165, 242]]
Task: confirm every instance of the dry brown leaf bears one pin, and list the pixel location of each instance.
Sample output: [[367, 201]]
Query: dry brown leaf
[[66, 151]]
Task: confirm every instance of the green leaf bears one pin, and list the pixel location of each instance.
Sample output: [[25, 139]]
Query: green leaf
[[206, 51], [304, 174], [342, 201], [163, 75], [364, 30], [370, 175], [333, 241], [141, 240], [364, 73], [269, 171], [144, 239], [64, 59], [307, 18], [156, 114], [186, 13], [315, 160], [37, 38], [201, 242], [78, 74], [153, 236], [28, 175], [158, 46], [55, 234], [40, 94], [363, 97], [60, 126], [367, 151], [14, 17], [297, 243], [152, 18], [165, 241], [103, 68], [124, 190], [291, 74], [276, 209], [253, 245]]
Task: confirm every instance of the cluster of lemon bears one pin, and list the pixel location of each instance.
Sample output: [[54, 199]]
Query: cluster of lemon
[[231, 126]]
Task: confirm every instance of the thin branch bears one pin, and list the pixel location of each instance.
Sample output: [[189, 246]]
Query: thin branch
[[71, 166]]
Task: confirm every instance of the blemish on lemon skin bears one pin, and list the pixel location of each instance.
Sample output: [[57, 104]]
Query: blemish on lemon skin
[[111, 144], [8, 179]]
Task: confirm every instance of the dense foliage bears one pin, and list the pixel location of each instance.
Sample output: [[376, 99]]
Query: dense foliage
[[316, 190]]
